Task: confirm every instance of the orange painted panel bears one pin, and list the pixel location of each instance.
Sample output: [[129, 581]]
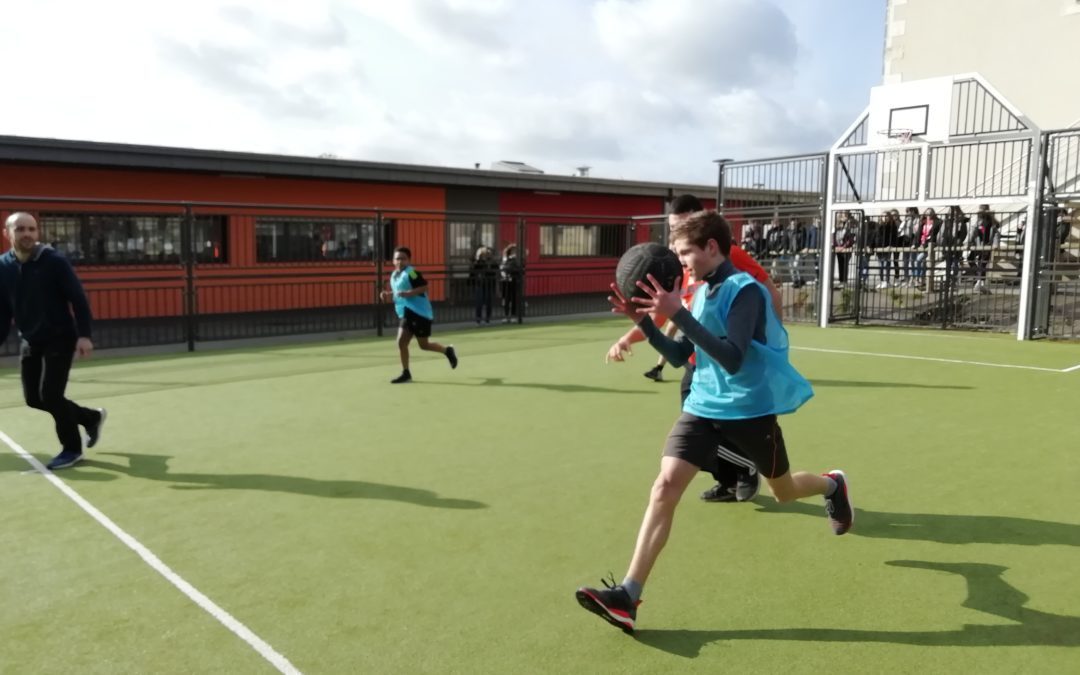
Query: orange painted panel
[[95, 183]]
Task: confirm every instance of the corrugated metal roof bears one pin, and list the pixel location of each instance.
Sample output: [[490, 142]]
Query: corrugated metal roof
[[118, 155]]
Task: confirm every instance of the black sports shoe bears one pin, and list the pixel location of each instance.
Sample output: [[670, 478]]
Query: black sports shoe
[[612, 604], [404, 377], [720, 493], [656, 374], [747, 486], [64, 460], [93, 434], [451, 356], [838, 506]]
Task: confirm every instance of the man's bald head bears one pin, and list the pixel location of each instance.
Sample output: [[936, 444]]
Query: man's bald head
[[22, 231], [20, 218]]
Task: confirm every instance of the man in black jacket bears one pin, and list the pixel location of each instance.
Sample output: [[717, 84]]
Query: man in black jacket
[[39, 290]]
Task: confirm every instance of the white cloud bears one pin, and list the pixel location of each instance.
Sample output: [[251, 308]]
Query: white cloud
[[447, 26], [715, 45], [634, 88]]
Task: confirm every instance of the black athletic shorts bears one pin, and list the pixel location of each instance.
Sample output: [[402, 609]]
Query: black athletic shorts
[[416, 324], [695, 440]]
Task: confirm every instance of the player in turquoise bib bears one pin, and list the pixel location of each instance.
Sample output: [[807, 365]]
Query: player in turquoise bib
[[742, 382], [765, 383], [408, 289]]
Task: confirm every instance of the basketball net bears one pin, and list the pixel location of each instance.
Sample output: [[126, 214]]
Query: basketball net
[[896, 141]]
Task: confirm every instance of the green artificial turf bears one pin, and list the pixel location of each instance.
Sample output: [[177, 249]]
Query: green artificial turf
[[443, 526]]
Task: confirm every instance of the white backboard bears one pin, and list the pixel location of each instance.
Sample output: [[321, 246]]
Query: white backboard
[[923, 106]]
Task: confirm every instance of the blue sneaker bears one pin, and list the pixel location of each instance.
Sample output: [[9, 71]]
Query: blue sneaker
[[93, 434], [64, 460]]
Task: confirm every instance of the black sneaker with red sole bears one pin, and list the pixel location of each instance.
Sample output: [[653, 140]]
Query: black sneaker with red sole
[[612, 604]]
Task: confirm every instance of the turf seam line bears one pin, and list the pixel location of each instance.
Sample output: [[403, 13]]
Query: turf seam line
[[927, 358], [279, 662]]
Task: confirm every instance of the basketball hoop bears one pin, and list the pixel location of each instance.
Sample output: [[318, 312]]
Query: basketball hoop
[[895, 140]]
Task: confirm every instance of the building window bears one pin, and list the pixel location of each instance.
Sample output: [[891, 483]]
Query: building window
[[132, 239], [597, 241], [320, 239], [466, 237]]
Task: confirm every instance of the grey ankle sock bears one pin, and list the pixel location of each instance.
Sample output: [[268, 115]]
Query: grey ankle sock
[[633, 588], [832, 487]]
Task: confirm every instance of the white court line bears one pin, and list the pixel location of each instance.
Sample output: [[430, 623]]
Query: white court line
[[930, 358], [1069, 370], [243, 632], [921, 333]]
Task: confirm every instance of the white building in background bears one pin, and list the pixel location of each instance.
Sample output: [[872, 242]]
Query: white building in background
[[1029, 50]]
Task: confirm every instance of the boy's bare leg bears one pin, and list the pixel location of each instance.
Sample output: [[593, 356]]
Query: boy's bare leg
[[447, 351], [675, 476], [403, 338]]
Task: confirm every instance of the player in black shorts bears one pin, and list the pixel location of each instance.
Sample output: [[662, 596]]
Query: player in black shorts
[[408, 289], [742, 382]]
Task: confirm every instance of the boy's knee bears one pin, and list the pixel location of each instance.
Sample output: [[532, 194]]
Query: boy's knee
[[52, 401], [664, 491]]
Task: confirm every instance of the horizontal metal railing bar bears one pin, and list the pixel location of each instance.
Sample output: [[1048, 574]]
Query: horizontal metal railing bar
[[775, 160]]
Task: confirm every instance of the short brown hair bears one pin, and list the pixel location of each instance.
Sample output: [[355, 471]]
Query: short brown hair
[[702, 226]]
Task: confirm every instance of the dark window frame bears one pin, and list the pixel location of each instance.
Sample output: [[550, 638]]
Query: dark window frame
[[300, 245], [93, 239], [477, 231], [610, 242]]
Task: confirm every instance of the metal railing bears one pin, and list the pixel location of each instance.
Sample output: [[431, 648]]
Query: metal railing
[[156, 275], [968, 282]]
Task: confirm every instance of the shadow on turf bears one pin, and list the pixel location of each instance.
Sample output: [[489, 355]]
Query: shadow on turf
[[817, 382], [564, 388], [156, 467], [987, 592], [943, 528]]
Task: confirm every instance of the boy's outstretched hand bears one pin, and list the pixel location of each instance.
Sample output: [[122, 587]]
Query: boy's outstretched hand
[[660, 301]]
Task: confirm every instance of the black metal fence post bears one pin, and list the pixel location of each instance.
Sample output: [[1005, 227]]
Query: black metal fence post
[[380, 255], [522, 255], [860, 253], [187, 242], [947, 292]]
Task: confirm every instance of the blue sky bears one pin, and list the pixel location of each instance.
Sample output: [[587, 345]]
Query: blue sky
[[636, 89]]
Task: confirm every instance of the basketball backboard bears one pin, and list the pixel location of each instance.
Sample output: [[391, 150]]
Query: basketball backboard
[[923, 106]]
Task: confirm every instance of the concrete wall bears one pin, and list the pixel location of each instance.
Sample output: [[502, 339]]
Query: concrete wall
[[1028, 49]]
